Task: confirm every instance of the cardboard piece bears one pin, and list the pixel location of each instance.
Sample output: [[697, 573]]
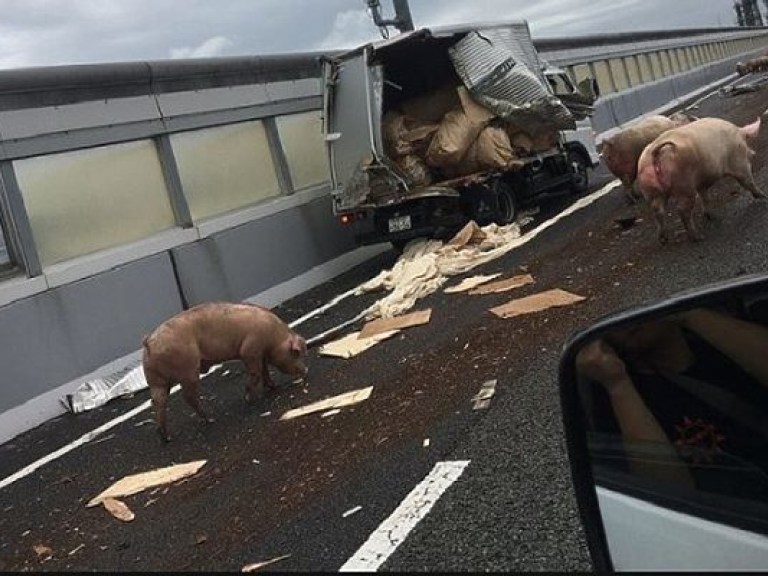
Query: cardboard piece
[[136, 483], [118, 509], [470, 283], [346, 399], [470, 234], [536, 303], [504, 285], [396, 323], [351, 345]]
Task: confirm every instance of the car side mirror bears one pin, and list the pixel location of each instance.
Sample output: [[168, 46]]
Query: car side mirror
[[665, 410]]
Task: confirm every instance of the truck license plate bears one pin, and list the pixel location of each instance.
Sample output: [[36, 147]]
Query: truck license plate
[[400, 223]]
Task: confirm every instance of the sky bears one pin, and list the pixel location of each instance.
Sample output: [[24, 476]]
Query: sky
[[57, 32]]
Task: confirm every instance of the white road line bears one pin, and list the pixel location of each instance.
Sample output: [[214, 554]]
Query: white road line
[[395, 529], [79, 442], [323, 308]]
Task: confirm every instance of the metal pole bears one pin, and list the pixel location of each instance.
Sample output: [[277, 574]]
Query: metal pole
[[403, 19]]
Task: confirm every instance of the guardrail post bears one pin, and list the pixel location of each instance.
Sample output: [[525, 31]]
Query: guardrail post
[[173, 181], [18, 231], [278, 156]]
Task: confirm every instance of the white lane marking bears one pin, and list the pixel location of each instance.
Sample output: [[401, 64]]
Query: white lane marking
[[323, 308], [395, 529], [79, 442]]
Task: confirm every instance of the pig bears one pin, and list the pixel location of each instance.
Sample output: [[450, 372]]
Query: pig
[[189, 343], [682, 163], [621, 151]]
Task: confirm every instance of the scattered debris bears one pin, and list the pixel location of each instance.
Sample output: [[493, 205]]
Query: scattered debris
[[265, 414], [470, 283], [150, 502], [351, 345], [76, 550], [504, 285], [330, 413], [340, 401], [42, 550], [26, 533], [255, 461], [395, 323], [425, 444], [118, 509], [136, 483], [354, 510], [470, 234], [257, 565], [143, 422], [536, 303], [202, 539], [483, 398]]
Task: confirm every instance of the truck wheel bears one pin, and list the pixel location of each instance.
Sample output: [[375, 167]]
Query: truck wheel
[[580, 184], [506, 210]]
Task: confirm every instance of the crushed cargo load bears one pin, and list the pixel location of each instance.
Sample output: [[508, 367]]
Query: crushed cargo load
[[434, 128]]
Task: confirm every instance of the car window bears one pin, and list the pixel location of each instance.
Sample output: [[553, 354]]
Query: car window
[[692, 432]]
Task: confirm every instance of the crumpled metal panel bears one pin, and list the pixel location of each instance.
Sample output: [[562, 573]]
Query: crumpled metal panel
[[506, 78]]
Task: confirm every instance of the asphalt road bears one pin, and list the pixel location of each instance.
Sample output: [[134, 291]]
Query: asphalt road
[[273, 488]]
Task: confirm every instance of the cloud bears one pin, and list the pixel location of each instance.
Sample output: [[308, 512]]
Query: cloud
[[215, 46], [350, 28]]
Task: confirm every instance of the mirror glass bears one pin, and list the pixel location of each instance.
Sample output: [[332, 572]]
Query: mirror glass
[[674, 409]]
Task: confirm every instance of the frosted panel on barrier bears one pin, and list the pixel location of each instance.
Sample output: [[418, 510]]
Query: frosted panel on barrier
[[225, 168], [620, 79], [88, 200], [603, 77], [302, 140]]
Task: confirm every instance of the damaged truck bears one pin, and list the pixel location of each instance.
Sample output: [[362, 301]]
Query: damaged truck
[[436, 127]]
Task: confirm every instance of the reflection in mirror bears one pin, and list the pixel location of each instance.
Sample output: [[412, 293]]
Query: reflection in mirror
[[676, 410]]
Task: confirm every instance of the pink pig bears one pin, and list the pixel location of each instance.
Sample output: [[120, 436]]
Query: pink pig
[[682, 163], [188, 344], [621, 151]]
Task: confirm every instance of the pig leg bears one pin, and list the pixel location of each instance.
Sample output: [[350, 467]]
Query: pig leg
[[190, 389], [743, 174], [685, 208], [159, 393], [266, 378], [658, 207], [256, 367]]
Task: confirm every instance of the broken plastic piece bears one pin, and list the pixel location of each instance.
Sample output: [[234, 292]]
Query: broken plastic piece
[[536, 303], [340, 401], [396, 323], [482, 399], [354, 510], [136, 483]]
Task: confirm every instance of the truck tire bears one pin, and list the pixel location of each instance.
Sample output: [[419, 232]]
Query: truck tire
[[580, 164], [506, 205]]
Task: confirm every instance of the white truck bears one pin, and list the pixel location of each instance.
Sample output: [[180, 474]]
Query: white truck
[[436, 127]]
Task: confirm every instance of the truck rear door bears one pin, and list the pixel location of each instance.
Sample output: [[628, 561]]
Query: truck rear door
[[352, 121]]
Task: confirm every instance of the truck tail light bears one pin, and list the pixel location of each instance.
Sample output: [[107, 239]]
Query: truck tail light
[[347, 218]]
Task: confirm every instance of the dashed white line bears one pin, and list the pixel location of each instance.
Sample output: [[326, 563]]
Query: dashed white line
[[395, 529]]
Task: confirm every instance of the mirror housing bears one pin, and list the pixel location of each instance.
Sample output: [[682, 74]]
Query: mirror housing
[[743, 291]]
